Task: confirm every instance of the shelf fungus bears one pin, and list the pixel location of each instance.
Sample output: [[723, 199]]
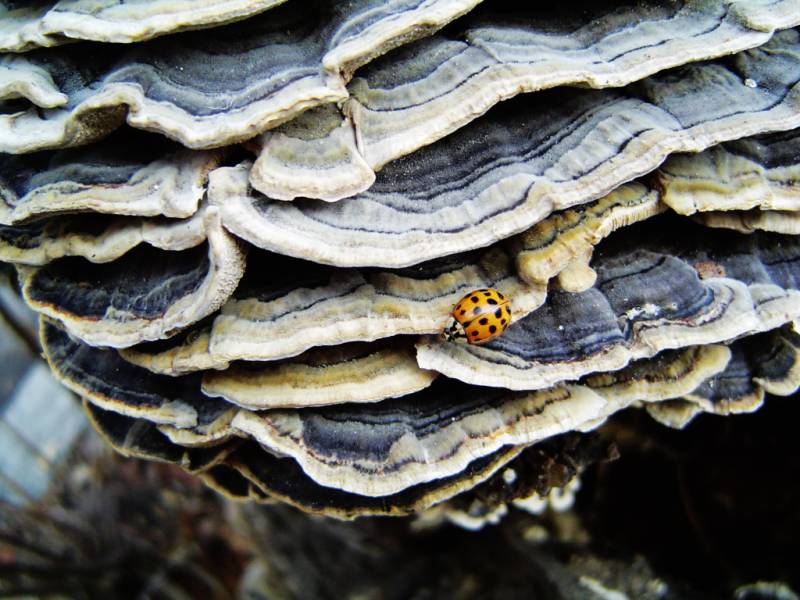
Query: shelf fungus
[[505, 172], [767, 363], [147, 294], [59, 21], [301, 305], [214, 87], [142, 439], [424, 91], [422, 437], [427, 90], [648, 296], [127, 174], [96, 238], [253, 287], [724, 185], [759, 172], [347, 373], [544, 477]]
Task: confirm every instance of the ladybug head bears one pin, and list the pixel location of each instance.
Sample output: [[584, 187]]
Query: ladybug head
[[453, 331]]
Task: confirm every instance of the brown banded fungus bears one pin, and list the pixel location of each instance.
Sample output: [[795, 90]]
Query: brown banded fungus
[[96, 238], [51, 23], [524, 159], [424, 91], [253, 287], [767, 363], [648, 297], [215, 87], [302, 305], [126, 174]]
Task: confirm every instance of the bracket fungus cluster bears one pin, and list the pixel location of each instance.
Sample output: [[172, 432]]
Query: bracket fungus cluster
[[244, 241]]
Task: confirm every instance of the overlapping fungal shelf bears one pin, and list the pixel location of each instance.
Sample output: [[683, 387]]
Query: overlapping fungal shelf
[[528, 157], [252, 288], [214, 87], [51, 23]]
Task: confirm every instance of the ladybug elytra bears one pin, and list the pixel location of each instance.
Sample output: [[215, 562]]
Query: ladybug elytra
[[479, 316]]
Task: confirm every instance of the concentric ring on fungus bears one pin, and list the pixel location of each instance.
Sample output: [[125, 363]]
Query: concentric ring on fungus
[[272, 325], [524, 159]]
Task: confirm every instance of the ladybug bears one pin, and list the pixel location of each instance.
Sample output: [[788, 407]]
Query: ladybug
[[479, 316]]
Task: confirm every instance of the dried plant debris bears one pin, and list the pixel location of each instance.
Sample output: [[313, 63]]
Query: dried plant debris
[[49, 23], [436, 432], [96, 238], [544, 475], [424, 91], [284, 306], [525, 158], [141, 439], [356, 372], [215, 87], [664, 283], [130, 173], [759, 172], [145, 295]]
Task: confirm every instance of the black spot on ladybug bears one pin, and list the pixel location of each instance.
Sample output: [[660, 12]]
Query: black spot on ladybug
[[492, 329], [503, 322], [476, 310], [474, 299], [498, 313], [462, 312], [499, 295], [492, 301], [508, 310], [474, 333], [483, 321], [487, 293]]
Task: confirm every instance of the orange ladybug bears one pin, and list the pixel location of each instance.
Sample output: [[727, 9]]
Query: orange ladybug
[[479, 316]]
